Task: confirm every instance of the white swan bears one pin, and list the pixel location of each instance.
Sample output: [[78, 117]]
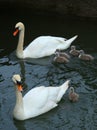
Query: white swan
[[41, 46], [37, 101]]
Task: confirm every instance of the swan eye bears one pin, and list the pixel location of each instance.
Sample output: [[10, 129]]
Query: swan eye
[[19, 28]]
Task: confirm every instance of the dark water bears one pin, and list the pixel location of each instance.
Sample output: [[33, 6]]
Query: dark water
[[81, 115]]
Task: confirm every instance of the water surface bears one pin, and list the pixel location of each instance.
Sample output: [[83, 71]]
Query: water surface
[[81, 115]]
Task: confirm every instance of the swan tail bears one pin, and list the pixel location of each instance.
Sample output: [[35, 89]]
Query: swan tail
[[69, 41], [65, 86], [63, 89]]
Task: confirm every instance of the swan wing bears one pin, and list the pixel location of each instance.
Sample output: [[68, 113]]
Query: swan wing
[[36, 97], [42, 99], [43, 46], [39, 100]]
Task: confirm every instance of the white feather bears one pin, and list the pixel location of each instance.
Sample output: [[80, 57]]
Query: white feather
[[38, 100], [41, 46]]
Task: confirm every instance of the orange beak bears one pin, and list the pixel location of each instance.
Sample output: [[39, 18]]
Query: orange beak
[[20, 88], [15, 32]]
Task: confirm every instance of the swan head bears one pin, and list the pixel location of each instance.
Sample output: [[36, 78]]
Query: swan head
[[17, 81], [20, 26]]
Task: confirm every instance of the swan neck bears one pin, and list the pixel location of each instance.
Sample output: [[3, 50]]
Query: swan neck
[[18, 111], [19, 51], [19, 99]]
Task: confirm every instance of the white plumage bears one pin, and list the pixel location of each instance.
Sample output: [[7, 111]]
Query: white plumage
[[41, 46], [37, 101]]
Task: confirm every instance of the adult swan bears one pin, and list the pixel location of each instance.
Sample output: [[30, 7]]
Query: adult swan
[[38, 100], [41, 46]]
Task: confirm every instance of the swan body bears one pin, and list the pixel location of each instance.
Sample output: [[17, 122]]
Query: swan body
[[41, 46], [85, 57], [37, 101]]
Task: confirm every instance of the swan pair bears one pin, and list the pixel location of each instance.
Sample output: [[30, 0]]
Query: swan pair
[[40, 47], [37, 101], [41, 99]]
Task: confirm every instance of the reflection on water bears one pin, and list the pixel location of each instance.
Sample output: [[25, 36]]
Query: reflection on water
[[81, 115]]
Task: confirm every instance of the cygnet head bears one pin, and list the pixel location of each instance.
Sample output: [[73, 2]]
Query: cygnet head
[[57, 51], [73, 47], [71, 90], [81, 52]]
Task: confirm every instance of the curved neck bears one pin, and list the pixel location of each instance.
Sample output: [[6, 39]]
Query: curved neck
[[18, 111], [19, 98], [19, 51]]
